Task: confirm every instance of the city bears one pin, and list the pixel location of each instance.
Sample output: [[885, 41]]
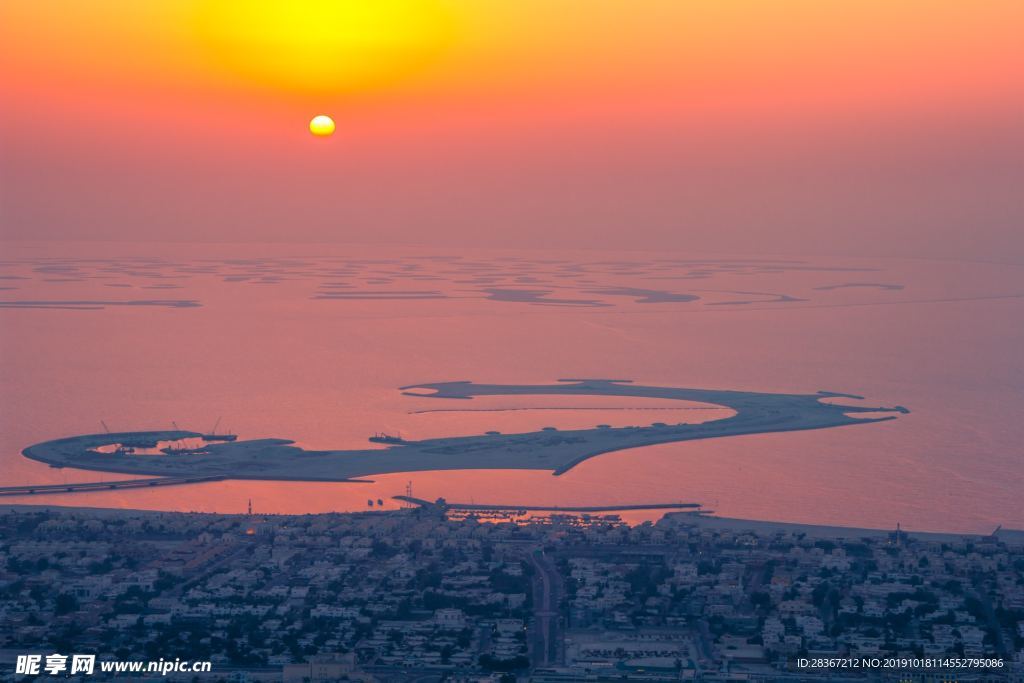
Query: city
[[696, 325], [420, 594]]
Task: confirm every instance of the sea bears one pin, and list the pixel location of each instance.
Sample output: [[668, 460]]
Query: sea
[[313, 342]]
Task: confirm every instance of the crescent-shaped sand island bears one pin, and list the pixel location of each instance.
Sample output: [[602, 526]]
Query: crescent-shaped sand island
[[548, 449]]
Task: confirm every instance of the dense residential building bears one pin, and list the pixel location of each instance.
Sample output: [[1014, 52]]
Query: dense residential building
[[403, 594]]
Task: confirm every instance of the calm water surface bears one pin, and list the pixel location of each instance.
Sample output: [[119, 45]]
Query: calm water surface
[[312, 343]]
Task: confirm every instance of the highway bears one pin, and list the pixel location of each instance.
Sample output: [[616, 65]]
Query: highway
[[547, 637]]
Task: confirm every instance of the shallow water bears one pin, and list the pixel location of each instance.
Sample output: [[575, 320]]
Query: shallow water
[[312, 343]]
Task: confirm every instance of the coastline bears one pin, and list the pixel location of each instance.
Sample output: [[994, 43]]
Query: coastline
[[1013, 537]]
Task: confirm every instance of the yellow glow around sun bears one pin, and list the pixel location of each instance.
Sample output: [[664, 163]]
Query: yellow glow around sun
[[323, 45], [322, 126]]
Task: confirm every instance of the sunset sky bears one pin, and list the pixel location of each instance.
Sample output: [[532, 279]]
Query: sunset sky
[[801, 126]]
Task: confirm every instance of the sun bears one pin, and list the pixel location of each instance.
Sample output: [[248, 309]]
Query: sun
[[339, 46], [322, 126]]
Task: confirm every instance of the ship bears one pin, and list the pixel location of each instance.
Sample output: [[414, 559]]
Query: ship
[[183, 450], [381, 437], [214, 436], [218, 437]]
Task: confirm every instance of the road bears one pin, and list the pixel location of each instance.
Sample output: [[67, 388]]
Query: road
[[981, 595], [547, 594], [84, 487]]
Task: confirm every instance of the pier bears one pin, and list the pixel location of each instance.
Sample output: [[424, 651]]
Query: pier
[[480, 507]]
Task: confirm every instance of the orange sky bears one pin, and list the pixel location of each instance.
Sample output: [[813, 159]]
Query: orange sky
[[811, 125]]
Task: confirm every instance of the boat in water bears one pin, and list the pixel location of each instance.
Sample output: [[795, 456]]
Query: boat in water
[[218, 437], [214, 436], [183, 450], [387, 438]]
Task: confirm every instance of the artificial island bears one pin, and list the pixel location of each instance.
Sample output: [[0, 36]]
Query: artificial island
[[547, 449]]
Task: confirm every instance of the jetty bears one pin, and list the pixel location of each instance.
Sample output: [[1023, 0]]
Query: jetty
[[482, 507]]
